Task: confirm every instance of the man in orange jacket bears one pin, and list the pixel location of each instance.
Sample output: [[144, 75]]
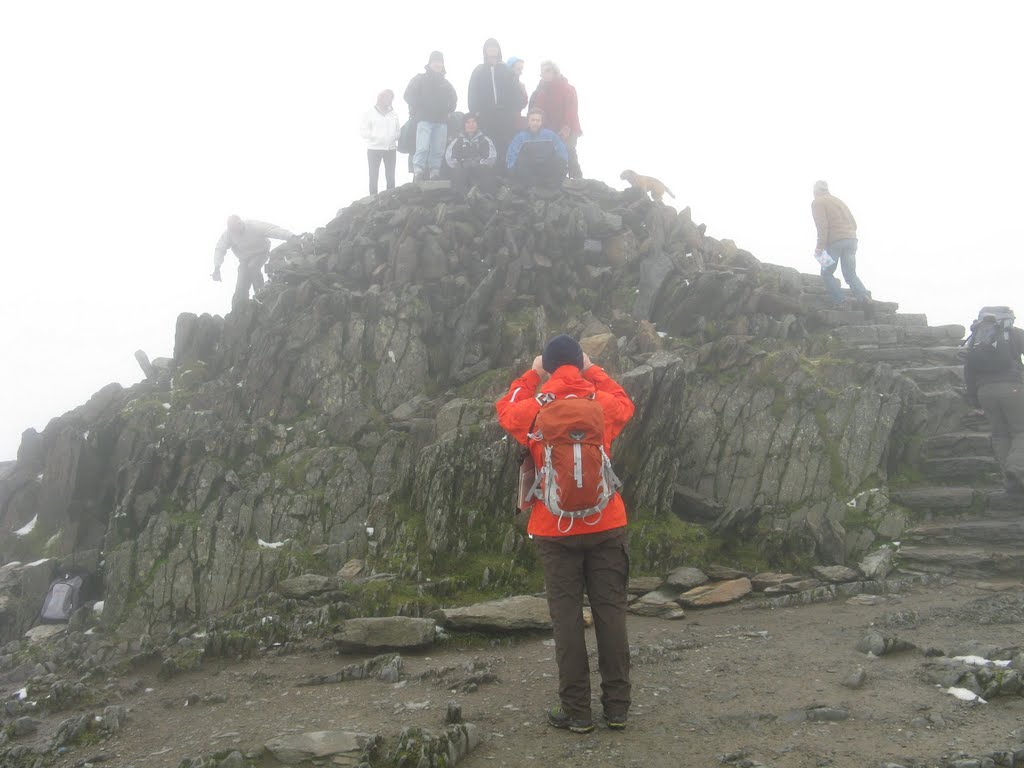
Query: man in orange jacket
[[589, 552]]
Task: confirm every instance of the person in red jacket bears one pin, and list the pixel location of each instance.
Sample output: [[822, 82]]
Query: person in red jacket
[[557, 98], [590, 552]]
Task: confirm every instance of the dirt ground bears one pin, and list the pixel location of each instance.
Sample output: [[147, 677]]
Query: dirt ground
[[714, 688]]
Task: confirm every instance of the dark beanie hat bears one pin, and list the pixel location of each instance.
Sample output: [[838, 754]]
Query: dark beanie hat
[[562, 350]]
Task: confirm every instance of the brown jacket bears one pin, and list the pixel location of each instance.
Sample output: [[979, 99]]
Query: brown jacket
[[833, 220]]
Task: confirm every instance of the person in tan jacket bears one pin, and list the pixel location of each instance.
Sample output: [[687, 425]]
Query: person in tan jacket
[[837, 236]]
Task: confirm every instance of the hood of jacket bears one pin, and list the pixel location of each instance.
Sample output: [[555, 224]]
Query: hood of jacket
[[429, 71], [492, 42]]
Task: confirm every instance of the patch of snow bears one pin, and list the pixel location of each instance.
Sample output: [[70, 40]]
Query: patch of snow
[[37, 562], [271, 544], [853, 502], [22, 694], [30, 526], [662, 334], [90, 631], [97, 607], [981, 661], [85, 435], [369, 530], [39, 476], [166, 406], [391, 355], [964, 695]]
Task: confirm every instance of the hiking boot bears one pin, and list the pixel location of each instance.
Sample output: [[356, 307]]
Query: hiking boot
[[419, 175], [615, 722], [435, 175], [559, 718]]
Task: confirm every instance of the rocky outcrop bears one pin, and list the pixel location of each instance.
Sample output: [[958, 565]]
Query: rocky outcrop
[[348, 412]]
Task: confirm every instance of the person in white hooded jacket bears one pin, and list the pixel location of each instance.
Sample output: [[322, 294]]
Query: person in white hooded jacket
[[380, 129]]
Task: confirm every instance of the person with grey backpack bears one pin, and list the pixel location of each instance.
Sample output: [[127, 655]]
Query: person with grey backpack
[[994, 376]]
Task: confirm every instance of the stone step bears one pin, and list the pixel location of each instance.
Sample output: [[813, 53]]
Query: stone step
[[961, 468], [956, 444], [866, 335], [966, 560], [940, 499], [935, 377], [949, 501], [1004, 532], [901, 357], [832, 318]]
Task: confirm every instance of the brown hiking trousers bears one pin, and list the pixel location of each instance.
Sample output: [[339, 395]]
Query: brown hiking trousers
[[599, 562]]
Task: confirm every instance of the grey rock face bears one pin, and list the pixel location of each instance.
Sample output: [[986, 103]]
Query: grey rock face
[[306, 585], [878, 564], [348, 414]]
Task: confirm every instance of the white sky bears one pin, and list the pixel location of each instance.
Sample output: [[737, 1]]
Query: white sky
[[131, 129]]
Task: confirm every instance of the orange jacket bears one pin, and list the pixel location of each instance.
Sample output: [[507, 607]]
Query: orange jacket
[[518, 408]]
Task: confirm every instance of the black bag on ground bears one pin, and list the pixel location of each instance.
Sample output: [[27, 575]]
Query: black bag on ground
[[62, 599], [990, 348]]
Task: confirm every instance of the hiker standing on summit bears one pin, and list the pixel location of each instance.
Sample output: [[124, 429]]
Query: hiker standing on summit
[[568, 411], [496, 98], [837, 236], [249, 240], [431, 99], [379, 129]]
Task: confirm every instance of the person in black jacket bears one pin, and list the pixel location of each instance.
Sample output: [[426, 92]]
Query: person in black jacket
[[471, 157], [431, 100], [495, 95]]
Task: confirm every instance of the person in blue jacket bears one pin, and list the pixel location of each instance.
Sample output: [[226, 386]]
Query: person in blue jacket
[[537, 156]]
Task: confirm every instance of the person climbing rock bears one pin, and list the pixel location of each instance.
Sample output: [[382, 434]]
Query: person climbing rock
[[578, 521], [994, 377], [837, 236], [249, 240]]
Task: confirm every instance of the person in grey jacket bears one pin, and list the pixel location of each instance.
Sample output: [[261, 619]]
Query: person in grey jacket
[[249, 240]]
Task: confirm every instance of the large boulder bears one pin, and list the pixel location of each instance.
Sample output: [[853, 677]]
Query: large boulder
[[387, 633]]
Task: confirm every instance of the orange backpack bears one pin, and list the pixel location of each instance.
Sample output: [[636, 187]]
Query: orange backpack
[[576, 479]]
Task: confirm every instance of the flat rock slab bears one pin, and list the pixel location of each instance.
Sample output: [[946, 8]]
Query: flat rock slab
[[686, 578], [45, 632], [306, 585], [386, 633], [303, 747], [660, 603], [836, 574], [724, 573], [641, 585], [511, 614], [719, 593], [762, 581]]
